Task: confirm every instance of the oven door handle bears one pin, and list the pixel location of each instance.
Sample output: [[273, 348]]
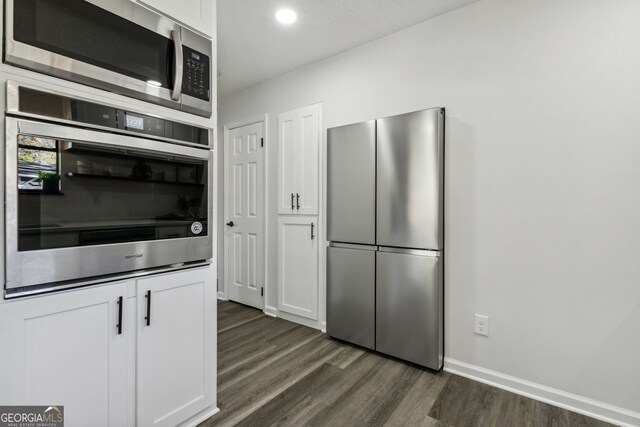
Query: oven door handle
[[178, 58], [107, 139]]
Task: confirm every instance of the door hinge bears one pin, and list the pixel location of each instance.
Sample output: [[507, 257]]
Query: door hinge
[[262, 291], [261, 142]]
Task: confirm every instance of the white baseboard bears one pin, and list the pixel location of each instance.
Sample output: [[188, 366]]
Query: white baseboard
[[582, 405], [197, 419], [298, 319], [323, 327], [270, 311], [221, 296]]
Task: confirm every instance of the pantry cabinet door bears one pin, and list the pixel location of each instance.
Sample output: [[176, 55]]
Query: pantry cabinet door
[[287, 164], [299, 166], [67, 349], [298, 266], [176, 346], [307, 175]]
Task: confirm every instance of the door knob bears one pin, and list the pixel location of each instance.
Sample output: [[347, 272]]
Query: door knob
[[230, 224]]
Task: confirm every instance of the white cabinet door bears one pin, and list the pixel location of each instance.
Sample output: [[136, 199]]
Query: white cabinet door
[[66, 349], [299, 153], [308, 156], [176, 346], [287, 164], [298, 266], [195, 14]]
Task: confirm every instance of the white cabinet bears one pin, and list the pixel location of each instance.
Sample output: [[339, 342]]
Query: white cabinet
[[176, 346], [195, 14], [299, 133], [298, 266], [66, 349], [92, 351]]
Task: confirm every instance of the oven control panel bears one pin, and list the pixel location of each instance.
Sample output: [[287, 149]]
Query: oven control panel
[[54, 106], [196, 74]]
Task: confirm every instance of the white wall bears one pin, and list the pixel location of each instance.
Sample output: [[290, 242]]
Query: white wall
[[542, 176]]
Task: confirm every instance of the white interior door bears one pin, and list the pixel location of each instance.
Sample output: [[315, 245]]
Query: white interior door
[[244, 213]]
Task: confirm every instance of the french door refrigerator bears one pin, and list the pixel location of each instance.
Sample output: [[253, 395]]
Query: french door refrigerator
[[385, 208]]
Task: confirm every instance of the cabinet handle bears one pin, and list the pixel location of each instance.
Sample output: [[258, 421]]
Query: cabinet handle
[[291, 201], [119, 325], [298, 200], [312, 235], [148, 316]]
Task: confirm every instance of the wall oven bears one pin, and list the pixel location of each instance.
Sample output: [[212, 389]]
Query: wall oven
[[93, 191], [134, 52]]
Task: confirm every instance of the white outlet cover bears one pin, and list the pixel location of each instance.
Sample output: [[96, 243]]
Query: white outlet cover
[[481, 325]]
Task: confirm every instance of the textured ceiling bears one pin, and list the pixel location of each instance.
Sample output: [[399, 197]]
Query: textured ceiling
[[254, 47]]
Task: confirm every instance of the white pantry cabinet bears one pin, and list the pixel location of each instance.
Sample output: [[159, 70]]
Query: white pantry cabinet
[[298, 266], [195, 14], [299, 160], [176, 347], [70, 348], [66, 349]]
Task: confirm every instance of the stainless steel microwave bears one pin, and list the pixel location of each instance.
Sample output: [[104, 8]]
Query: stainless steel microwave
[[94, 192], [133, 52]]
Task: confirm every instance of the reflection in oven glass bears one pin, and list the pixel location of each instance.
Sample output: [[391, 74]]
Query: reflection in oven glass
[[81, 194]]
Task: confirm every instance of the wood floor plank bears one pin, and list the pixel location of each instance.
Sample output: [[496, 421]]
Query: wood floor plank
[[464, 402], [299, 414], [235, 344], [367, 397], [276, 373], [346, 357], [329, 394], [270, 337], [287, 405], [417, 403], [246, 395], [271, 356]]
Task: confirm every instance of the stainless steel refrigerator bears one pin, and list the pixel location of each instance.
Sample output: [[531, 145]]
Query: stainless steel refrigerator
[[385, 209]]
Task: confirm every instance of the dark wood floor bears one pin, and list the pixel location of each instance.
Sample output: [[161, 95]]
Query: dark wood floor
[[274, 372]]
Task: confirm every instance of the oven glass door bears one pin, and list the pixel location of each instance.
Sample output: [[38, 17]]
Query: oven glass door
[[83, 203], [81, 193], [82, 31]]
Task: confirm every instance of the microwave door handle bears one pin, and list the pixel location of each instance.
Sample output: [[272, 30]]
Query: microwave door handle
[[178, 64]]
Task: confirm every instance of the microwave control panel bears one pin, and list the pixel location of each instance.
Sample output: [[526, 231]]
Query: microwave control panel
[[196, 72]]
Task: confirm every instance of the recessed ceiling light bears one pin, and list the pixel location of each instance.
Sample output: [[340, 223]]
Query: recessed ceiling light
[[154, 83], [286, 16]]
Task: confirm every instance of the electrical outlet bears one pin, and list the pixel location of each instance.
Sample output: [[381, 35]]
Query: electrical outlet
[[481, 325]]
